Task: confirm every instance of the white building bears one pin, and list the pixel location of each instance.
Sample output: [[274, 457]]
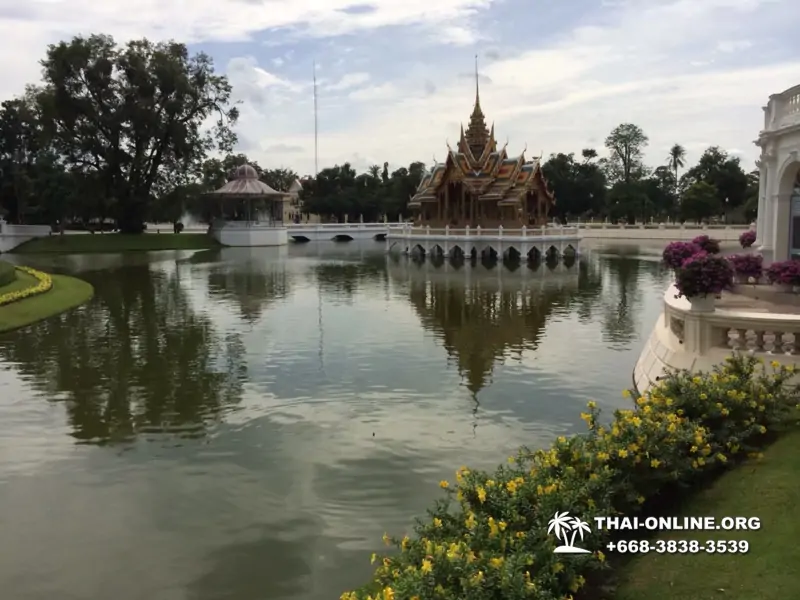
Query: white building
[[778, 226]]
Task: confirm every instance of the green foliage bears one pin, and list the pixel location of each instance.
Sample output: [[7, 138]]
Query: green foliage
[[724, 173], [700, 201], [626, 144], [488, 538], [580, 186], [8, 274]]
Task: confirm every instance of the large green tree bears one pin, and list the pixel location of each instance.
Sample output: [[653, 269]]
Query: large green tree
[[724, 173], [579, 186], [134, 116], [625, 144], [700, 201]]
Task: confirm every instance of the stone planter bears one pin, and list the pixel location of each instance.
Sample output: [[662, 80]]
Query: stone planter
[[702, 303]]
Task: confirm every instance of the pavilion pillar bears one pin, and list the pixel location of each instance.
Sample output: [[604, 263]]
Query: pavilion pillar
[[462, 204], [447, 203]]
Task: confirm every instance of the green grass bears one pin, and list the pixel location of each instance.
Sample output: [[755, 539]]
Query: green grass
[[115, 242], [66, 293], [768, 489], [8, 273]]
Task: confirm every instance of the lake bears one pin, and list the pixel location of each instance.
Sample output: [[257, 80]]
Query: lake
[[245, 424]]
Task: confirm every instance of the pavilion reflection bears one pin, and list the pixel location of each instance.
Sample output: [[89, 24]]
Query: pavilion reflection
[[480, 315], [250, 278]]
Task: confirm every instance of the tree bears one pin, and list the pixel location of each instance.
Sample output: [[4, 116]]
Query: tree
[[627, 200], [133, 115], [677, 156], [700, 201], [724, 173], [279, 179], [626, 145], [578, 186], [661, 189]]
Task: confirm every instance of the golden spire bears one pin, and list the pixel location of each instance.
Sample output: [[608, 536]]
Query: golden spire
[[477, 134]]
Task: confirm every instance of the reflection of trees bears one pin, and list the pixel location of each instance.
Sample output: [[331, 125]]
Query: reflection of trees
[[252, 285], [480, 325], [137, 359], [625, 284], [342, 280]]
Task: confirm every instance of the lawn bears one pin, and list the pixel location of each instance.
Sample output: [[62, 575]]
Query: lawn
[[66, 293], [768, 489], [115, 242]]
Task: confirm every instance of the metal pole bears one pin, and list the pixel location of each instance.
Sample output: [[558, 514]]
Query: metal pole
[[316, 125]]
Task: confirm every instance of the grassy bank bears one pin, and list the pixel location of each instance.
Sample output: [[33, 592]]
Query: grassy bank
[[66, 293], [115, 242], [768, 489]]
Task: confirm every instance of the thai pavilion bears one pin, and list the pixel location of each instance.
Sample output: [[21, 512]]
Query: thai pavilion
[[481, 185]]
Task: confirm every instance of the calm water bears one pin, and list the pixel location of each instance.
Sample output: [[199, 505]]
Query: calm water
[[245, 424]]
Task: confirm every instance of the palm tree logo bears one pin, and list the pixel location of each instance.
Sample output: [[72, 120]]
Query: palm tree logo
[[561, 525]]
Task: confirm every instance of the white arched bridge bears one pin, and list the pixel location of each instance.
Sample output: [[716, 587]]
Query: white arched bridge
[[340, 232], [530, 242]]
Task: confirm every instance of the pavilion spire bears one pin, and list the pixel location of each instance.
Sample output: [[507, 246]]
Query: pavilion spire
[[477, 134]]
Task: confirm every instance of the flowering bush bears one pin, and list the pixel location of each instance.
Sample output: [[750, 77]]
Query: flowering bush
[[45, 282], [488, 538], [747, 239], [747, 265], [786, 272], [703, 274], [706, 244], [677, 252]]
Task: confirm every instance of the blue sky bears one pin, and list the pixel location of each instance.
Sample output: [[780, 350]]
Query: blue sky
[[395, 77]]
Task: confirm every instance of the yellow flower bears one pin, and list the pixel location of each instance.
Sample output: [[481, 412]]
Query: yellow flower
[[558, 567], [511, 486], [427, 566], [722, 458], [444, 484], [626, 393], [640, 500], [388, 593], [481, 494], [775, 364], [762, 429], [496, 562], [386, 539], [373, 558], [600, 556], [470, 521], [437, 522], [655, 463], [477, 578], [405, 542], [622, 453]]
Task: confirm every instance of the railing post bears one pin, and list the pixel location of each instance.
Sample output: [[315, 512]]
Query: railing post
[[544, 230], [500, 231], [524, 231], [466, 231], [447, 231], [478, 231], [428, 230]]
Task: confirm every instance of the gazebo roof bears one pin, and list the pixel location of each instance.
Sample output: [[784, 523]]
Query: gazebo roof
[[247, 184]]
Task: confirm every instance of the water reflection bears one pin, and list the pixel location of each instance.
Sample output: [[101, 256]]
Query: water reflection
[[251, 279], [136, 360]]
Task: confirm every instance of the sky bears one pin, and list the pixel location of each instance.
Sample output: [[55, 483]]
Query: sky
[[396, 78]]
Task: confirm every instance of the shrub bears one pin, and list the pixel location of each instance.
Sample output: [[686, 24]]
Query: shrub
[[677, 252], [703, 274], [707, 244], [747, 239], [45, 283], [488, 538], [7, 273], [747, 265], [786, 272]]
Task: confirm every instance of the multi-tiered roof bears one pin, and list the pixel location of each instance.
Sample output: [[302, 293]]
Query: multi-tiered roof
[[489, 174]]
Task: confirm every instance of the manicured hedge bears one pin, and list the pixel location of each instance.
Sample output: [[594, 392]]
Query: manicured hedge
[[488, 537], [7, 273]]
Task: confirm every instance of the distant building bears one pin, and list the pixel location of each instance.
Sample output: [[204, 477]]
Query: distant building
[[480, 185], [293, 209]]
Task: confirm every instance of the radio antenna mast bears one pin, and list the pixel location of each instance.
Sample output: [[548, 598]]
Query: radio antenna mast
[[316, 125]]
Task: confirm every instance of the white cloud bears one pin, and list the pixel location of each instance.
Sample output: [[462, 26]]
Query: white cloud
[[348, 81], [558, 91]]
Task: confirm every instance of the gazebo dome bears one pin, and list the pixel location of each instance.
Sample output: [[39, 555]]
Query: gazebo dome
[[246, 171]]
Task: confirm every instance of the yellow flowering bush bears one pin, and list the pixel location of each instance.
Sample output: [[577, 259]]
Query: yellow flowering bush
[[488, 537], [44, 283]]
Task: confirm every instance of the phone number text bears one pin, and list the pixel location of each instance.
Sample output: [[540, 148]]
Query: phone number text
[[679, 546]]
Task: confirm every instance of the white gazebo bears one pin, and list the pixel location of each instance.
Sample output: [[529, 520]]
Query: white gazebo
[[778, 226], [251, 212]]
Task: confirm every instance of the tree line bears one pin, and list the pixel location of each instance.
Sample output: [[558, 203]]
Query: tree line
[[139, 132]]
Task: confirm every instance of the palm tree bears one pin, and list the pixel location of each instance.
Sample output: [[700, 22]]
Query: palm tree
[[560, 523], [578, 527], [374, 171], [677, 155]]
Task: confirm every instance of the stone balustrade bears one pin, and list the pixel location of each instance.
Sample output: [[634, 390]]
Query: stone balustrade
[[783, 109], [687, 339]]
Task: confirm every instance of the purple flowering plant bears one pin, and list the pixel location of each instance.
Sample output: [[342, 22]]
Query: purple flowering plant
[[747, 265], [786, 272], [707, 244], [676, 253], [703, 274], [747, 239]]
